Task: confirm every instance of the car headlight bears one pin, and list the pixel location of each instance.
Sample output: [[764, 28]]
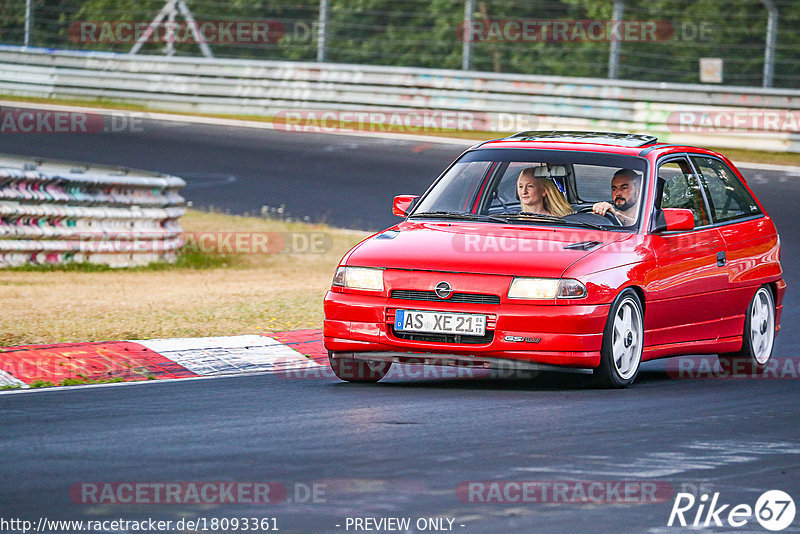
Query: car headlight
[[546, 288], [359, 278]]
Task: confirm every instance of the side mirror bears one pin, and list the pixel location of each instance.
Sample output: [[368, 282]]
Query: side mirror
[[673, 220], [403, 204]]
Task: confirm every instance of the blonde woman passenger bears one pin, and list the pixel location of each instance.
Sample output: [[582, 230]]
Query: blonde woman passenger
[[541, 195]]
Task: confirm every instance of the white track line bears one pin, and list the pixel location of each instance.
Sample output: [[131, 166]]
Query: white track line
[[237, 123], [264, 125]]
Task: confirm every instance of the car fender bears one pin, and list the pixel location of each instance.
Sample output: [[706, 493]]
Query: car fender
[[610, 269], [358, 245]]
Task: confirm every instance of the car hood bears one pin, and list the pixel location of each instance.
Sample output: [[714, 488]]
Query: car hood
[[480, 248]]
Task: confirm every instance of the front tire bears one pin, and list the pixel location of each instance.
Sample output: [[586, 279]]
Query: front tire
[[353, 370], [623, 341], [758, 338]]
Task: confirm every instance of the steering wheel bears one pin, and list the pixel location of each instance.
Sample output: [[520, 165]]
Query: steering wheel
[[610, 215]]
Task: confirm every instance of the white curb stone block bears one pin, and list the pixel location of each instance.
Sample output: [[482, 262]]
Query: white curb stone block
[[210, 356]]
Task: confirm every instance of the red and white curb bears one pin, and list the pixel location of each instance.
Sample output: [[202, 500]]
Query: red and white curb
[[161, 358]]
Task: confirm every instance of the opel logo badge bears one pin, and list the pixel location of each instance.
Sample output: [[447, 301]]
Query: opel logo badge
[[443, 290]]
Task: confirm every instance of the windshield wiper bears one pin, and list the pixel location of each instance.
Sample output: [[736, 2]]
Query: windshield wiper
[[506, 218], [539, 217], [602, 227], [535, 216], [460, 215]]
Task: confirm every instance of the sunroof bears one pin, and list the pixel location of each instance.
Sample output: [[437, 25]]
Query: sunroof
[[598, 138]]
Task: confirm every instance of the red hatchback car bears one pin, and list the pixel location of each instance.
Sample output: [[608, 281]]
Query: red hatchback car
[[552, 250]]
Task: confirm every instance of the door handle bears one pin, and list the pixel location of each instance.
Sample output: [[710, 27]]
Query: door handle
[[721, 259]]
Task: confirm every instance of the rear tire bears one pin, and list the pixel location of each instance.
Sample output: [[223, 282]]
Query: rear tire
[[758, 338], [353, 370], [623, 341]]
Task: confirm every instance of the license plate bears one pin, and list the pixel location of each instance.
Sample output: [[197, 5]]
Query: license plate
[[467, 324]]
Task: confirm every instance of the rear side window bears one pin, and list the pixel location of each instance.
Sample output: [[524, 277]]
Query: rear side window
[[728, 197]]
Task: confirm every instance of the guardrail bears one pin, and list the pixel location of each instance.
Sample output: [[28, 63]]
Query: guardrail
[[52, 212], [269, 88]]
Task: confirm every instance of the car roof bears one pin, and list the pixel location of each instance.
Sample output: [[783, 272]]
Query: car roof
[[610, 142]]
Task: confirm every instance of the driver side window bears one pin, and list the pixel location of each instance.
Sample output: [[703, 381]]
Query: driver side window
[[682, 190]]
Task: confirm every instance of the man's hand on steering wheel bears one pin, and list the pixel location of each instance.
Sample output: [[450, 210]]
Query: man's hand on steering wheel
[[607, 210]]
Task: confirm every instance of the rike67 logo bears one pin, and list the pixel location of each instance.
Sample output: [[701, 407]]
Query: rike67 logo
[[774, 510]]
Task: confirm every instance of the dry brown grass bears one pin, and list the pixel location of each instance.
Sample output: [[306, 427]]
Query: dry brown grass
[[243, 294]]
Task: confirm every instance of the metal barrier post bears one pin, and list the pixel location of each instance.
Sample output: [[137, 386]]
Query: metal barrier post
[[613, 51], [28, 21], [322, 30], [466, 54], [772, 36]]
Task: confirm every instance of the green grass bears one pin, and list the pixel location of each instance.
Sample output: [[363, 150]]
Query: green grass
[[42, 384], [78, 381], [82, 381], [187, 259]]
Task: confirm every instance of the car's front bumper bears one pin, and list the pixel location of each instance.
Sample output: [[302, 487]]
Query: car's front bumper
[[560, 335]]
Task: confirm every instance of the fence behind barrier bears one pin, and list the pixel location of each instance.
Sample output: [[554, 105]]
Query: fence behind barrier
[[53, 212], [723, 116]]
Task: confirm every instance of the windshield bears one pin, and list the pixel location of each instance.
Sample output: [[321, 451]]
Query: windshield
[[541, 186]]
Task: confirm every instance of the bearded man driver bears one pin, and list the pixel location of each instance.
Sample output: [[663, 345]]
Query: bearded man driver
[[625, 195]]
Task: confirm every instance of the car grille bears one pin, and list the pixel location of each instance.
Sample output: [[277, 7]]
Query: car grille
[[446, 338], [470, 298]]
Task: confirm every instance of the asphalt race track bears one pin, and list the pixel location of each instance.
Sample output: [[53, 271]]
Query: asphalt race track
[[346, 181], [405, 447]]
